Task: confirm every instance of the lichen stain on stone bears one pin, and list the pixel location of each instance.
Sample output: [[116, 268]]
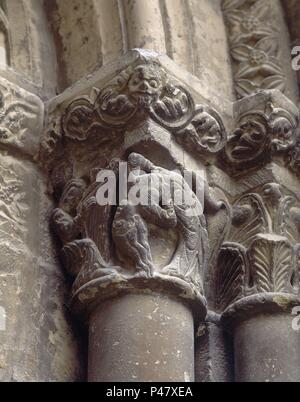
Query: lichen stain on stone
[[281, 301]]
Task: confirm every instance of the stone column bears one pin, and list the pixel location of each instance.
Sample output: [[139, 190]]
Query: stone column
[[141, 337], [257, 276], [267, 347], [137, 267]]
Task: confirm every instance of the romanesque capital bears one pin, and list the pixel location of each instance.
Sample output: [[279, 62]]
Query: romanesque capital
[[158, 245]]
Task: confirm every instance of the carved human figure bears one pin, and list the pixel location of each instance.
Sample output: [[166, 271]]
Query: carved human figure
[[164, 210], [67, 224]]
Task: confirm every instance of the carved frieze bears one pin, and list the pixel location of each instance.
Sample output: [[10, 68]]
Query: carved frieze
[[141, 92], [254, 46]]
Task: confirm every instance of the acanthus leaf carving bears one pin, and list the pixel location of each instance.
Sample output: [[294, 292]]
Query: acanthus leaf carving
[[261, 247], [231, 273], [271, 258], [249, 219]]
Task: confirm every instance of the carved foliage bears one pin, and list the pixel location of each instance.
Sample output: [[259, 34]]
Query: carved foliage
[[231, 275], [254, 46], [261, 251], [271, 258], [141, 92]]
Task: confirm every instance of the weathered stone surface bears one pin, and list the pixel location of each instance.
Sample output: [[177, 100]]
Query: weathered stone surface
[[163, 109], [21, 119], [259, 47], [273, 358], [159, 340], [38, 331]]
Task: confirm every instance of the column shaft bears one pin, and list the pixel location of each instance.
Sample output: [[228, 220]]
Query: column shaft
[[141, 337], [267, 349]]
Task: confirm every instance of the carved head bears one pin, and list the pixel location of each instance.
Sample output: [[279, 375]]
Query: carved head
[[248, 140], [283, 133], [72, 195], [145, 84]]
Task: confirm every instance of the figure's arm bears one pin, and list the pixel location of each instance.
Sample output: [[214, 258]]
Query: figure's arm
[[161, 216], [65, 226], [211, 206]]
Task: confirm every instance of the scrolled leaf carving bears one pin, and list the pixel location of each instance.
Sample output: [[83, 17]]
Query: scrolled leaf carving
[[249, 219], [260, 253], [205, 132], [79, 120], [142, 92]]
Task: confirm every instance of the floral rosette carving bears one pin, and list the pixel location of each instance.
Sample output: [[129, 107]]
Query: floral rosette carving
[[254, 46]]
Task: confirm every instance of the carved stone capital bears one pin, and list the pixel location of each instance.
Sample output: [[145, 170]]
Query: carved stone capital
[[140, 113], [258, 263], [122, 247]]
